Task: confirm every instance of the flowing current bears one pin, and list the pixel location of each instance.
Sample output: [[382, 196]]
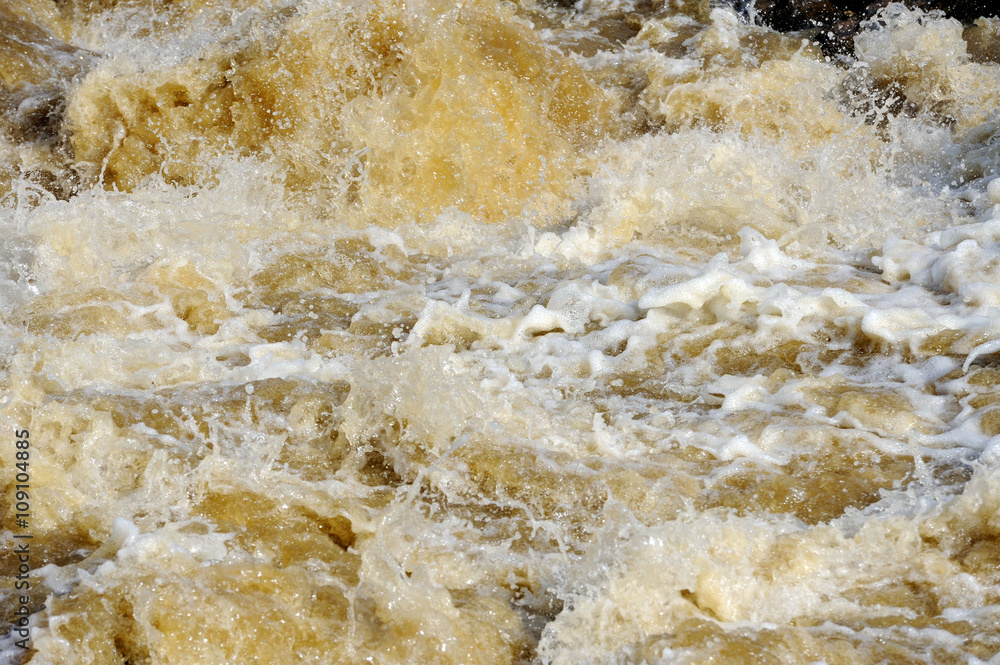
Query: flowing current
[[437, 331]]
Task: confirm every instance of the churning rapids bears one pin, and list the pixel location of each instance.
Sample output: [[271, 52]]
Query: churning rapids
[[464, 331]]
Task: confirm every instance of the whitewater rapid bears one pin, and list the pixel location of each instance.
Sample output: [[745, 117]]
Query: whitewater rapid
[[413, 331]]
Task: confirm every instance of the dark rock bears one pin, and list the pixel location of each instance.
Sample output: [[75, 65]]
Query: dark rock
[[835, 22], [787, 15]]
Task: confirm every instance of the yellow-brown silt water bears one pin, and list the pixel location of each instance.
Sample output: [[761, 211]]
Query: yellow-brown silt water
[[473, 332]]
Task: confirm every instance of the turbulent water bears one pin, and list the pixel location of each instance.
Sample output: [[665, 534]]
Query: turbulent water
[[423, 331]]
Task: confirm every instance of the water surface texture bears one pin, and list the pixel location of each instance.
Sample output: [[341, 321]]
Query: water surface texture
[[425, 331]]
